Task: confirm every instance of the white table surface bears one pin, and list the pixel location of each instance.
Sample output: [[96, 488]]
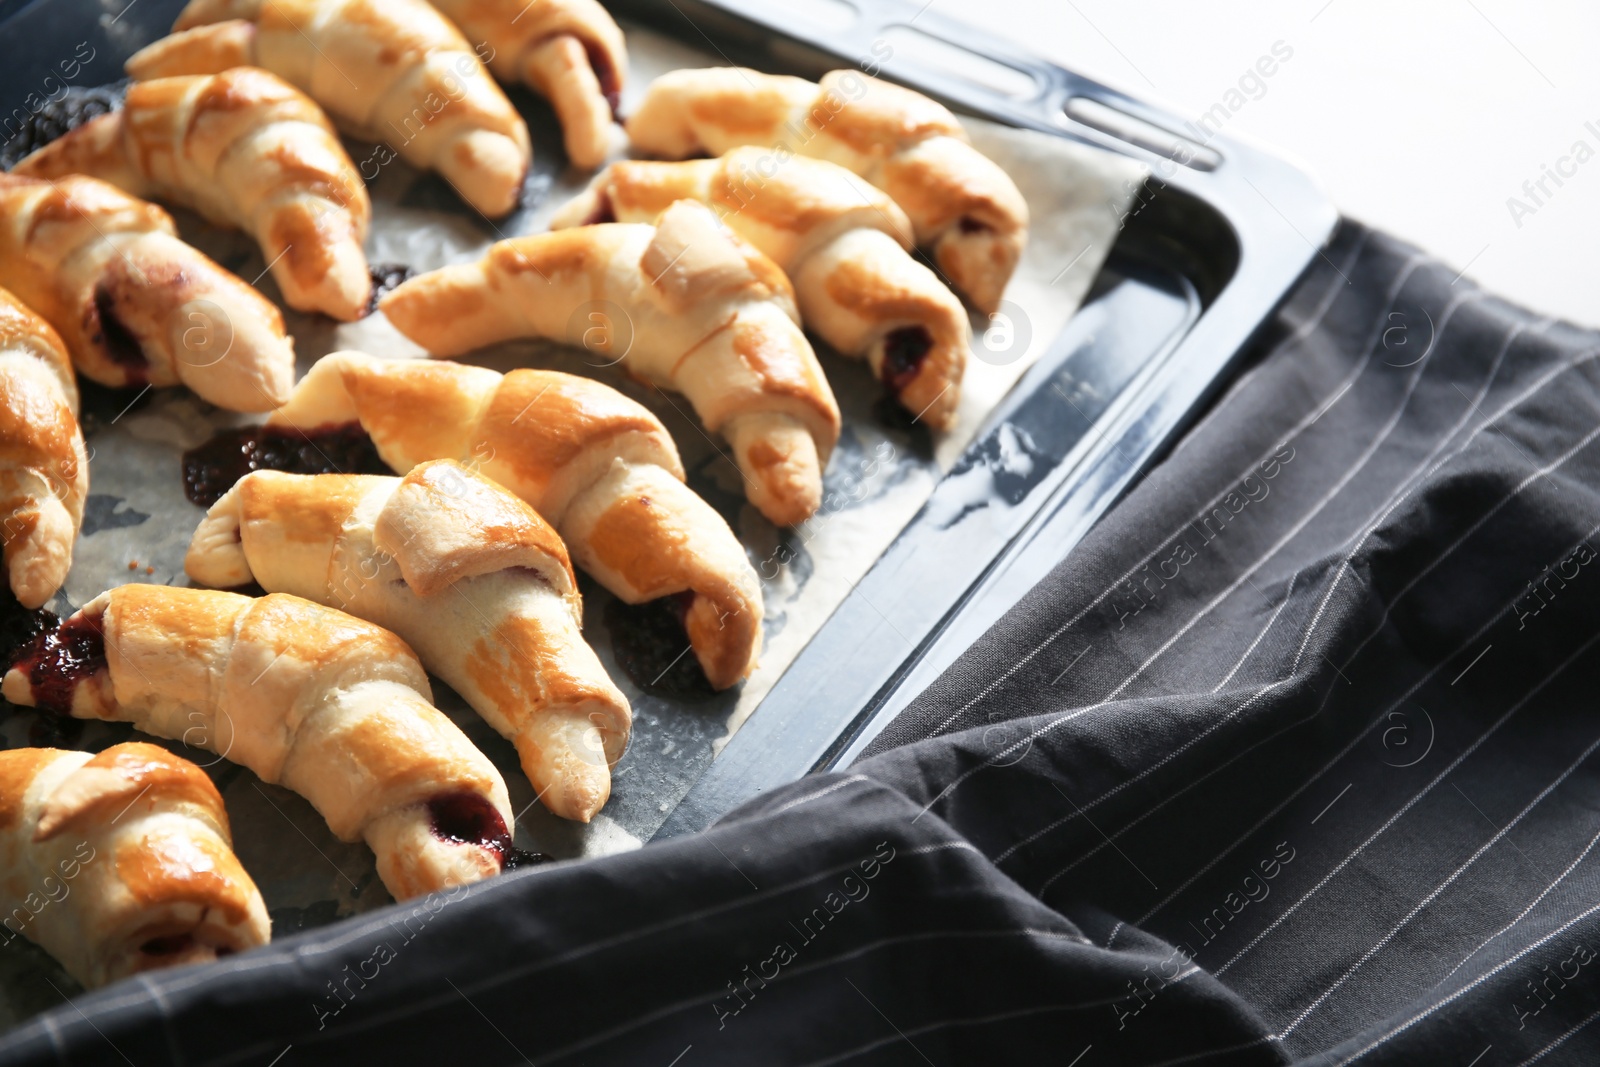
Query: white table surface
[[1422, 117]]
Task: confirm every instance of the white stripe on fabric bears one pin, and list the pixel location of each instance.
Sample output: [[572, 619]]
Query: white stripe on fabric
[[1288, 594], [1434, 894], [1464, 990], [1357, 739], [1404, 274], [809, 797], [1558, 1042], [1408, 805], [1483, 629], [1008, 750], [1523, 914]]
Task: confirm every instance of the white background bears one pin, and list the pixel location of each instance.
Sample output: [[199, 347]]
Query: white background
[[1419, 116]]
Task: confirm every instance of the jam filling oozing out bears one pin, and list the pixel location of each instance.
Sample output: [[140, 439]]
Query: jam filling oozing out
[[114, 339], [211, 469], [57, 660], [386, 277], [904, 351], [604, 210], [20, 626], [170, 945], [969, 224], [652, 645], [469, 819], [54, 118]]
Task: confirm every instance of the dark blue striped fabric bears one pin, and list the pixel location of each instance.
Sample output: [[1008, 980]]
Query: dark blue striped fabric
[[1295, 759]]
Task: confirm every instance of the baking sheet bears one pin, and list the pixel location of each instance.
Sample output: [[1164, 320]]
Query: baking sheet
[[139, 523]]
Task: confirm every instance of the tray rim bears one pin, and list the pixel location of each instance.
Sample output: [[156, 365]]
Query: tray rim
[[779, 741]]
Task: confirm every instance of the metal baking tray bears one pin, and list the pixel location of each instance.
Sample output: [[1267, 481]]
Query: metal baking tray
[[1216, 238]]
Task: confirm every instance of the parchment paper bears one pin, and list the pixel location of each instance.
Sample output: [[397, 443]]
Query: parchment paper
[[139, 523]]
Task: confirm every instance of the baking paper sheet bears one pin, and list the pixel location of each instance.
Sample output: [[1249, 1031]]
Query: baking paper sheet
[[139, 522]]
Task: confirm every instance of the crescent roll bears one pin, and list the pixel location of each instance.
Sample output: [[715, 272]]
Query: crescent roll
[[245, 149], [307, 697], [568, 51], [134, 303], [844, 245], [385, 70], [702, 312], [44, 474], [966, 211], [598, 467], [120, 863], [463, 571]]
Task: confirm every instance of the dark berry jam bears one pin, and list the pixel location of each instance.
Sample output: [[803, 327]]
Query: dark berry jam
[[469, 819], [385, 277], [211, 469], [969, 224], [108, 333], [652, 645], [604, 210], [20, 626], [904, 351], [170, 945], [54, 118], [57, 660]]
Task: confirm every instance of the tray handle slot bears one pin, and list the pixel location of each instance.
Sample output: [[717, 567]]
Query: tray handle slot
[[1098, 115]]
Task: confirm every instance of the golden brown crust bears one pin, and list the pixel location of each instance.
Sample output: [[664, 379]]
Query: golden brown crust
[[177, 868], [963, 207], [125, 775], [246, 149], [571, 51], [142, 838], [133, 303], [18, 767], [409, 555], [310, 698], [574, 450], [705, 313], [540, 422], [840, 240], [436, 502], [394, 70], [44, 473]]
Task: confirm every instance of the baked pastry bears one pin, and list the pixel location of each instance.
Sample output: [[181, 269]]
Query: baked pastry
[[568, 51], [844, 245], [704, 313], [245, 149], [966, 211], [332, 707], [136, 305], [121, 862], [385, 70], [598, 467], [44, 474], [467, 574]]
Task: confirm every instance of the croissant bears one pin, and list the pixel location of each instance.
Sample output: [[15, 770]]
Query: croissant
[[598, 467], [842, 242], [568, 51], [394, 71], [121, 862], [462, 570], [309, 698], [966, 211], [135, 304], [245, 149], [44, 474], [706, 314]]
